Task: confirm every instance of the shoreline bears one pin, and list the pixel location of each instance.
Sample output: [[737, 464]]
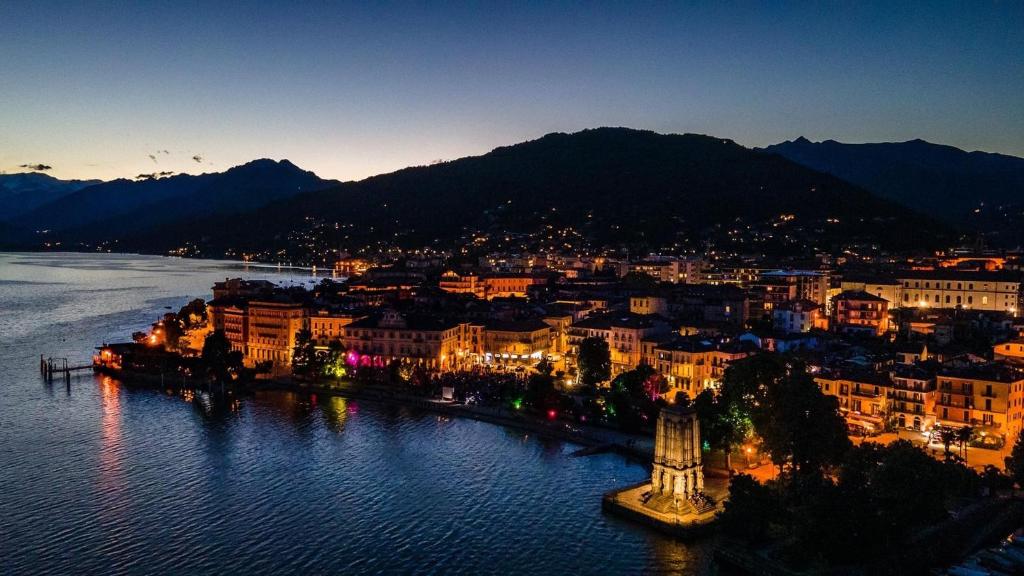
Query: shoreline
[[591, 439]]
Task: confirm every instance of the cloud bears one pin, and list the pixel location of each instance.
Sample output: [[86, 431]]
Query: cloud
[[154, 175], [198, 158], [36, 167]]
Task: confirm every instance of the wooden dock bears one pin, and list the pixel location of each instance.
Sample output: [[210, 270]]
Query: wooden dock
[[51, 367]]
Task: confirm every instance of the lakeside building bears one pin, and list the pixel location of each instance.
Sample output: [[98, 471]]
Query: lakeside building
[[272, 328], [262, 328], [692, 364], [987, 395], [913, 396], [326, 325], [861, 312], [492, 285], [863, 396], [623, 331], [383, 337], [516, 341], [239, 288]]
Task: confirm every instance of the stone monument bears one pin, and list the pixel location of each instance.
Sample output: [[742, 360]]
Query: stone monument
[[677, 479]]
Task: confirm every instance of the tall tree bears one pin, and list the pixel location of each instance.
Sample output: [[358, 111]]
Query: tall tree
[[594, 361], [724, 425], [305, 361], [221, 362], [800, 425], [948, 436], [963, 438], [1015, 461], [193, 314]]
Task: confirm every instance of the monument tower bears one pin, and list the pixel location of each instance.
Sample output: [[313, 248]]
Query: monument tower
[[678, 475]]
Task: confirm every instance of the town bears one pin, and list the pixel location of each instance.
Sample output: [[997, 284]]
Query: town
[[927, 345]]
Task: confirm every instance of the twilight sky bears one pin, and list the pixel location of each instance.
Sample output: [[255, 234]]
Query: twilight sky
[[352, 90]]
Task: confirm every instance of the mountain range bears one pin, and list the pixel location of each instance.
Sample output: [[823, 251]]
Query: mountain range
[[24, 192], [939, 180], [611, 186], [104, 211], [606, 186]]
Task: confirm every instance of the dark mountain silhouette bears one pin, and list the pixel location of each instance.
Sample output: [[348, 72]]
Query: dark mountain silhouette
[[612, 185], [21, 193], [939, 180], [121, 207]]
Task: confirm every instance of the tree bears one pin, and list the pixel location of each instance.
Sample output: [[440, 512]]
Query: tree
[[800, 425], [1015, 461], [963, 437], [631, 397], [746, 382], [723, 425], [948, 436], [595, 361], [334, 365], [221, 362], [750, 509], [541, 394], [305, 361], [173, 332], [193, 314]]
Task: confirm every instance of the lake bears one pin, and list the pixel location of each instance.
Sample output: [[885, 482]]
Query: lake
[[100, 478]]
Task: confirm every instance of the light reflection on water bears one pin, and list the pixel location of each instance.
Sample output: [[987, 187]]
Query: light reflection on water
[[102, 479]]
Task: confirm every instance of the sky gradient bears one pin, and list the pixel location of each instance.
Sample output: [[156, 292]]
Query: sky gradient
[[352, 90]]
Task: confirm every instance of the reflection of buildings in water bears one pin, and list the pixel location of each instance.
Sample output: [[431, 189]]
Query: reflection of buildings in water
[[335, 412], [111, 465], [295, 406], [215, 406]]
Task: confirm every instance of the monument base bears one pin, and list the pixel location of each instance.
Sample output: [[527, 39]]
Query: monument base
[[685, 520]]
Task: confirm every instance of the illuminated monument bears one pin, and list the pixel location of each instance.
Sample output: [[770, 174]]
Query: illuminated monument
[[674, 500], [677, 481]]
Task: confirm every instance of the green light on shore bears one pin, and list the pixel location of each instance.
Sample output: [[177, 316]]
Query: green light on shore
[[517, 403]]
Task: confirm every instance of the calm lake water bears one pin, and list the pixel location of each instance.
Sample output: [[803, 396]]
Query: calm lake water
[[97, 478]]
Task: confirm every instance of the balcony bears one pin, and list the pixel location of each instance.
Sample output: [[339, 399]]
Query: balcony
[[863, 393]]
